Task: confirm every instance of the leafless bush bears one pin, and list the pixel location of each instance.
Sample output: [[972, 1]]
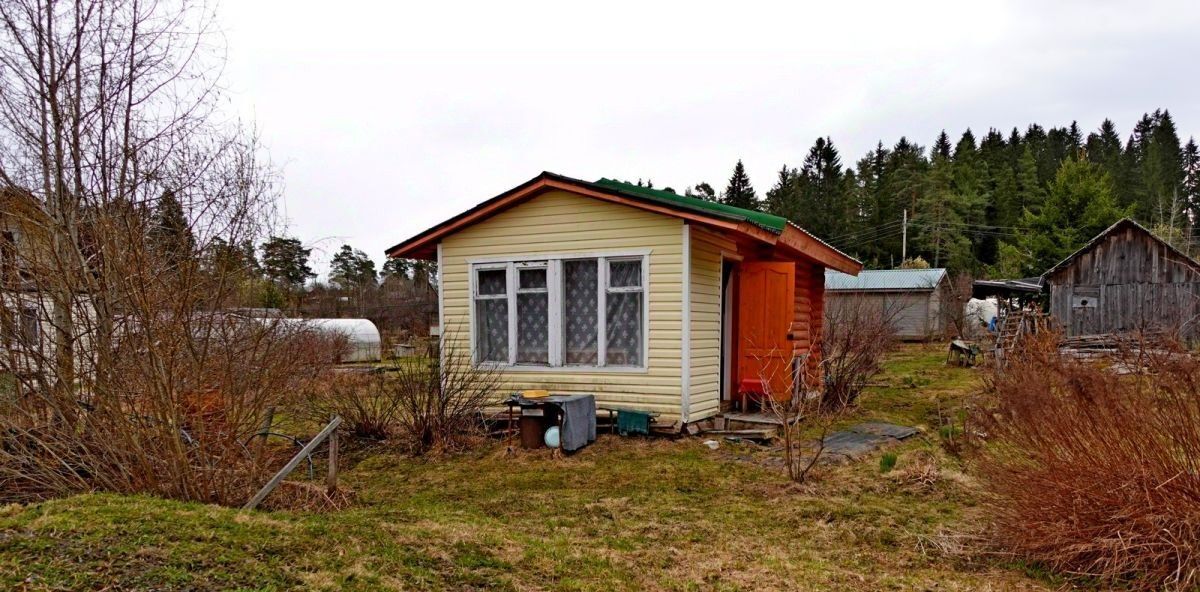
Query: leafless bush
[[803, 422], [953, 307], [362, 400], [182, 434], [432, 401], [1093, 473], [858, 332], [440, 397], [119, 184]]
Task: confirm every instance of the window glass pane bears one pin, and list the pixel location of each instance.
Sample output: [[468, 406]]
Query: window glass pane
[[533, 328], [491, 282], [581, 317], [624, 274], [624, 323], [533, 279], [491, 330]]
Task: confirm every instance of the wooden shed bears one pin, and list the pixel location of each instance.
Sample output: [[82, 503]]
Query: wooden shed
[[911, 297], [1125, 280], [644, 298]]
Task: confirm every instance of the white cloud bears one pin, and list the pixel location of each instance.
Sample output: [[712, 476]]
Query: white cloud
[[392, 116]]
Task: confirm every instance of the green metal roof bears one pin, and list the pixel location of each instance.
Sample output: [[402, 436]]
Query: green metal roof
[[775, 224]]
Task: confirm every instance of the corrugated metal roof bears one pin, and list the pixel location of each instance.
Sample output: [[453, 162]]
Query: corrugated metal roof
[[884, 279], [767, 221]]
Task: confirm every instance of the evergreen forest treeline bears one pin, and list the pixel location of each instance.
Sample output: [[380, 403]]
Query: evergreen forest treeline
[[1001, 205]]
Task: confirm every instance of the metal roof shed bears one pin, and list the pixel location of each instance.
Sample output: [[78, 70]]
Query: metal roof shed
[[915, 296]]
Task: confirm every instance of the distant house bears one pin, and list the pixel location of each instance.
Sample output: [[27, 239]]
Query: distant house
[[1125, 279], [27, 311], [645, 298], [912, 297]]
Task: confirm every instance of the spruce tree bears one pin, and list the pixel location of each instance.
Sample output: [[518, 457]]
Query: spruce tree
[[874, 243], [783, 199], [740, 193], [969, 193], [1031, 191], [824, 209], [170, 233], [1163, 171], [1079, 205], [941, 146], [1104, 149], [1191, 185], [940, 235]]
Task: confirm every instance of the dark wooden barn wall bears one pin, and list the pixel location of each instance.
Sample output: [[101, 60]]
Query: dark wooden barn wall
[[1128, 282]]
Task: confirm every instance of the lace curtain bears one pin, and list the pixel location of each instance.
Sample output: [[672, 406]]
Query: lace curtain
[[623, 317], [581, 320], [491, 316], [533, 317]]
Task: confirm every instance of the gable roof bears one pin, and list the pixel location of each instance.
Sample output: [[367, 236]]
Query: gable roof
[[759, 226], [1121, 224], [885, 280]]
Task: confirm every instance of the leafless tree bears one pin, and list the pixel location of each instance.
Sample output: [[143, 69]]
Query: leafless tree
[[120, 178]]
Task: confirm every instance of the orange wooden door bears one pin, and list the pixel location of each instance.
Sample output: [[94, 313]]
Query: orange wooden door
[[766, 308]]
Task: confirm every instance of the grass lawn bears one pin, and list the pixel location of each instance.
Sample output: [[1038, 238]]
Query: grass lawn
[[623, 514]]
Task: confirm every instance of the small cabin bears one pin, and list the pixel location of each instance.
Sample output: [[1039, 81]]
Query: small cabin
[[911, 298], [647, 299], [1125, 280]]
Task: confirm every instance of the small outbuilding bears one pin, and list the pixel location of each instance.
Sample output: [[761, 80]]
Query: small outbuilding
[[647, 299], [911, 297], [1125, 280]]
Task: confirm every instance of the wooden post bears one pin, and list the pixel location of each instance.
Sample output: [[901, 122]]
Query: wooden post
[[331, 479], [292, 464], [264, 431]]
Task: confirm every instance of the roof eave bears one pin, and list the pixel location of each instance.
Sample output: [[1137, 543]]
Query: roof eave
[[820, 251]]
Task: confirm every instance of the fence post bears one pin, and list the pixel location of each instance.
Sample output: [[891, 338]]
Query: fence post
[[331, 479]]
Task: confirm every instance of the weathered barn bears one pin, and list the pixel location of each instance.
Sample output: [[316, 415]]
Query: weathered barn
[[644, 298], [911, 297], [1124, 280]]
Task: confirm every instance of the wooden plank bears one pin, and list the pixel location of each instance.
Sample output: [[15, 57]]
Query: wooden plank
[[292, 464]]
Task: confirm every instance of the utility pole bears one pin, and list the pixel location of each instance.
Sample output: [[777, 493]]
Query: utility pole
[[904, 239]]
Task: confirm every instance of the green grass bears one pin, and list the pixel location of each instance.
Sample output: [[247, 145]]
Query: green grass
[[623, 514]]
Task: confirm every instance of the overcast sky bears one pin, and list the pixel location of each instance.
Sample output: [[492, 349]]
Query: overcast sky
[[388, 117]]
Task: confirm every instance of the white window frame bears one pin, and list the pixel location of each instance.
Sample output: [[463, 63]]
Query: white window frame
[[514, 322], [553, 263], [604, 290], [507, 296]]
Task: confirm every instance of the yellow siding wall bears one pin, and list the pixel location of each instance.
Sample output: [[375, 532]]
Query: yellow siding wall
[[705, 273], [561, 222]]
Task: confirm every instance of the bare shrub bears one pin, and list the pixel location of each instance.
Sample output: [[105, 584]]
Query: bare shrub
[[363, 402], [121, 190], [425, 403], [858, 332], [1093, 473], [803, 421], [183, 434], [953, 308], [442, 397]]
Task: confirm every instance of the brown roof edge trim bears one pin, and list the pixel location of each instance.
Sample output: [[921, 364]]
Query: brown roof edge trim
[[820, 252], [421, 242], [423, 245]]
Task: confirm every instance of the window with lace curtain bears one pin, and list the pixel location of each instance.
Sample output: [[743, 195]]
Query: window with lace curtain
[[561, 312]]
